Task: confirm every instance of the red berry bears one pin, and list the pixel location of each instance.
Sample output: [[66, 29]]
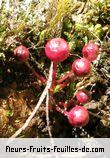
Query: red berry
[[21, 53], [90, 51], [83, 96], [78, 116], [57, 49], [81, 67]]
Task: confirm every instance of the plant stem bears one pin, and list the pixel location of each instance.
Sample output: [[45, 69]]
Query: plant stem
[[100, 117], [69, 103], [54, 75], [41, 99], [63, 85], [41, 78], [67, 83], [64, 112], [67, 75]]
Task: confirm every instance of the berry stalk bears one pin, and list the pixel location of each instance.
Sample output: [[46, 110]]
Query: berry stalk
[[66, 76], [78, 116], [54, 75], [41, 78]]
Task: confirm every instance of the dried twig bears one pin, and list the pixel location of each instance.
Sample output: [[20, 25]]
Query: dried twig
[[47, 101], [47, 115], [41, 99], [100, 117]]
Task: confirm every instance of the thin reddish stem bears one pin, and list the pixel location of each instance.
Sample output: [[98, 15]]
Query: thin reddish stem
[[64, 112], [41, 78], [66, 83], [63, 104], [63, 85], [54, 75], [68, 103], [67, 75]]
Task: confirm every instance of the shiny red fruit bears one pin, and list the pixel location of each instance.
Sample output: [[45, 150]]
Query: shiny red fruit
[[83, 96], [90, 51], [21, 53], [78, 116], [81, 67], [57, 49]]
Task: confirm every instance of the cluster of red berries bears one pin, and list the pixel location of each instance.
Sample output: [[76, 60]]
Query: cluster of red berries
[[57, 50]]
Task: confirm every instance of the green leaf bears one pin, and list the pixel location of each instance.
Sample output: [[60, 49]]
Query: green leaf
[[57, 89], [9, 113]]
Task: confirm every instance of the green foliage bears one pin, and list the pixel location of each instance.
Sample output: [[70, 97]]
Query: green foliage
[[9, 113], [47, 19], [57, 89], [64, 8]]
